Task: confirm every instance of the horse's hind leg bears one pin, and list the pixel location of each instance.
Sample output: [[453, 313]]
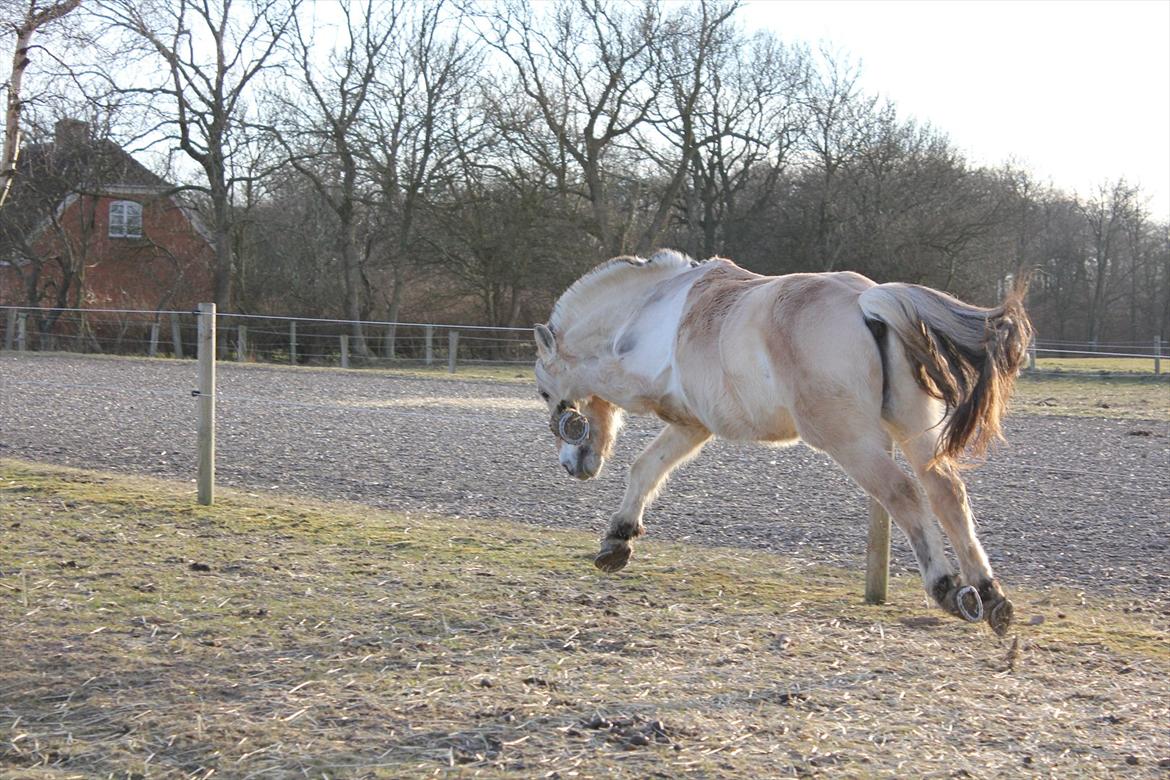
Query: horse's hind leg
[[864, 457], [948, 498]]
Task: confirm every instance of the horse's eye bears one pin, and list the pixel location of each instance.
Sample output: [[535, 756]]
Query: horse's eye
[[544, 395]]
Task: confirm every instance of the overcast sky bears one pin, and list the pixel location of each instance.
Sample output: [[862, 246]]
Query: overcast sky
[[1076, 91]]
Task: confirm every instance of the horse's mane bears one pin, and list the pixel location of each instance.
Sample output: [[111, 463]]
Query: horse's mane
[[603, 281]]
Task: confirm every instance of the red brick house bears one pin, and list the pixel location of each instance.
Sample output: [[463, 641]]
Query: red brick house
[[88, 226]]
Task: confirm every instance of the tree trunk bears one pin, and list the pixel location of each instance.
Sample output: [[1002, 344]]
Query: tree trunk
[[20, 61]]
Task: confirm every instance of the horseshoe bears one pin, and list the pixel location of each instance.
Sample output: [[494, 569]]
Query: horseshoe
[[573, 427], [961, 604]]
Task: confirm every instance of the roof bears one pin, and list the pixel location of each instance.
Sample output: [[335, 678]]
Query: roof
[[48, 173]]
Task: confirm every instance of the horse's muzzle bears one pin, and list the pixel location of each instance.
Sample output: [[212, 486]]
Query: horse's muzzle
[[580, 462]]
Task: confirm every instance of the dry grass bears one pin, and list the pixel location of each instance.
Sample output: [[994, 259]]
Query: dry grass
[[145, 636], [1114, 397], [1108, 365]]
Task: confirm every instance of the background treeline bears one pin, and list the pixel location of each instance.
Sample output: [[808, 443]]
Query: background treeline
[[430, 160]]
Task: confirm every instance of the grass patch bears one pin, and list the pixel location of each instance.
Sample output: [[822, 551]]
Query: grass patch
[[144, 635], [1084, 396], [1109, 365]]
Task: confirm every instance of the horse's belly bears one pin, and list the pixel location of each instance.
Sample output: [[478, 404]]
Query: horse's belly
[[754, 422]]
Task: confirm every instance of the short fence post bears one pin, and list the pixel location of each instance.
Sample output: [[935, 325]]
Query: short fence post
[[241, 343], [1157, 355], [10, 331], [452, 349], [429, 340], [877, 552], [154, 339], [344, 350], [292, 342], [206, 403], [22, 331], [1032, 355], [176, 335]]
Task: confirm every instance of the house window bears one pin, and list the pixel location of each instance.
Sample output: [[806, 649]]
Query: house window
[[125, 219]]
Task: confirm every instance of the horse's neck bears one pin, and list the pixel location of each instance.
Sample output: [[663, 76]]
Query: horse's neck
[[591, 333], [596, 341]]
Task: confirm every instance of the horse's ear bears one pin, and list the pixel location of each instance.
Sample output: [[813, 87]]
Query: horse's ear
[[546, 343]]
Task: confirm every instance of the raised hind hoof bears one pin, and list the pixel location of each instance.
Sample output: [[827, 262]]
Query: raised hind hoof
[[999, 617], [614, 555]]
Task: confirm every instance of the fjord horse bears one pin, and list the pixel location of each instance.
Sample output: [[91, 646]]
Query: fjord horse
[[832, 359]]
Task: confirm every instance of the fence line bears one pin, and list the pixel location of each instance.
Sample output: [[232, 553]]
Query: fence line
[[317, 340], [320, 340]]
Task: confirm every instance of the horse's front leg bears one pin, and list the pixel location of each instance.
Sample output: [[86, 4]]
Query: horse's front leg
[[676, 444]]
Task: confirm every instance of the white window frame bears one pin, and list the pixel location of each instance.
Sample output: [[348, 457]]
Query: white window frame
[[125, 219]]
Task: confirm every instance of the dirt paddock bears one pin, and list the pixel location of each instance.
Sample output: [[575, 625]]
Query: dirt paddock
[[1082, 502]]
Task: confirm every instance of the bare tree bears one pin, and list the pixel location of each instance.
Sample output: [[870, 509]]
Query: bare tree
[[320, 123], [1105, 216], [209, 54], [427, 115], [750, 116], [34, 17], [588, 70]]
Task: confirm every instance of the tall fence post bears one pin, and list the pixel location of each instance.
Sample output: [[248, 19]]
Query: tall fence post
[[452, 350], [10, 330], [1032, 355], [206, 403], [344, 350], [241, 343], [429, 341], [1157, 355], [154, 339], [22, 331], [292, 342], [176, 336], [877, 552]]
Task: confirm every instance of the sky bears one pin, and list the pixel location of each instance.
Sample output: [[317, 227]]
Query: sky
[[1075, 91]]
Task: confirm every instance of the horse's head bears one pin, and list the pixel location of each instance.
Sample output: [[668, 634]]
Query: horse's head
[[585, 426]]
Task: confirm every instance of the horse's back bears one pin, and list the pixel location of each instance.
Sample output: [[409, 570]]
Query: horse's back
[[755, 354]]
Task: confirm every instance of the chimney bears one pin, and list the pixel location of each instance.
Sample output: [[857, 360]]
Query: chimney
[[70, 132]]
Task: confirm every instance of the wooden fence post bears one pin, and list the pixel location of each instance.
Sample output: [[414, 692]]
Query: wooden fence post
[[452, 350], [10, 330], [154, 339], [206, 403], [1157, 355], [22, 331], [1032, 355], [242, 343], [388, 346], [344, 350], [429, 339], [292, 342], [877, 552], [176, 336]]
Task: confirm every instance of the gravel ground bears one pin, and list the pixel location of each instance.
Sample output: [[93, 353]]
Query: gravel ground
[[1083, 503]]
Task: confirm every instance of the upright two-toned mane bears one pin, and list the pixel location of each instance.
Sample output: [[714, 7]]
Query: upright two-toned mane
[[831, 359], [592, 290]]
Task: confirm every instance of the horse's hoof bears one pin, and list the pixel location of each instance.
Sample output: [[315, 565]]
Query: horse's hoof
[[968, 605], [614, 555], [999, 617]]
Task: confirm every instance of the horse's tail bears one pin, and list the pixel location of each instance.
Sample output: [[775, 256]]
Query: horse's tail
[[966, 355]]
